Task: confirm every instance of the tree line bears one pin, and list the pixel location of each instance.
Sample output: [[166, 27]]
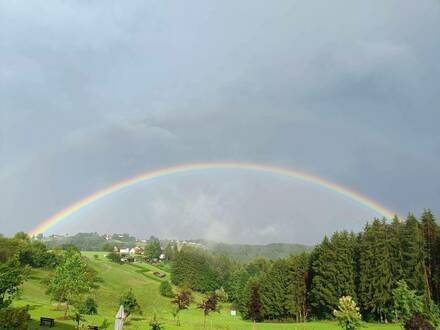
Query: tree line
[[368, 267]]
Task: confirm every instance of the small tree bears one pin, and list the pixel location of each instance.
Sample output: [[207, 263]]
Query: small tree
[[153, 249], [77, 317], [71, 279], [406, 302], [208, 305], [348, 314], [255, 307], [155, 324], [182, 301], [166, 289], [129, 301]]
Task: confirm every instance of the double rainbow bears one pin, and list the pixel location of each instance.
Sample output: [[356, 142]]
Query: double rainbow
[[209, 166]]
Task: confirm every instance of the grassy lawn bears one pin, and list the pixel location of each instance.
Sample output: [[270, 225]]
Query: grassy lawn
[[139, 277]]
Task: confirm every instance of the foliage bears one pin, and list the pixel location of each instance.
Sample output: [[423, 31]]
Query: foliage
[[77, 317], [334, 272], [182, 301], [274, 285], [406, 302], [166, 289], [155, 324], [114, 256], [209, 304], [14, 318], [35, 254], [417, 322], [12, 275], [255, 307], [298, 286], [222, 295], [375, 272], [152, 249], [199, 270], [89, 307], [70, 280], [130, 303], [348, 314]]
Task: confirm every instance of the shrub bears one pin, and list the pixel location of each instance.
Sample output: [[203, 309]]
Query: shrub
[[155, 324], [14, 318], [348, 314], [166, 290], [417, 322], [89, 307], [114, 256], [406, 302]]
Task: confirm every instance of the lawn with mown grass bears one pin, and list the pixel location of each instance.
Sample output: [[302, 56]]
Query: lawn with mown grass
[[139, 277]]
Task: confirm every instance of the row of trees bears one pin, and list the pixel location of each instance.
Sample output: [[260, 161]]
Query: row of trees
[[367, 267]]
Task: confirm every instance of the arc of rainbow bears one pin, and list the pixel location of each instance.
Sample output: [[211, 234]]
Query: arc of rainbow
[[194, 167]]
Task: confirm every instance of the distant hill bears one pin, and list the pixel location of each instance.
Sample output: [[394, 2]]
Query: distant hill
[[246, 252]]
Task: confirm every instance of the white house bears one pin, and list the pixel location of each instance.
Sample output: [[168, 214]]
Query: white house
[[132, 251], [124, 251]]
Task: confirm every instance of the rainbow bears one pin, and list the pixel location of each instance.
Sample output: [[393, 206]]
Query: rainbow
[[206, 166]]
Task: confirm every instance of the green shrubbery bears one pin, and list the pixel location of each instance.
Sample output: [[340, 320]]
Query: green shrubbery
[[14, 318], [166, 289], [89, 307]]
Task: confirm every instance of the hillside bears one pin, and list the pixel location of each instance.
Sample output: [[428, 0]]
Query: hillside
[[246, 252], [118, 278]]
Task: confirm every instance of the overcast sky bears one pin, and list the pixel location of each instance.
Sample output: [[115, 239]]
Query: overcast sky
[[92, 92]]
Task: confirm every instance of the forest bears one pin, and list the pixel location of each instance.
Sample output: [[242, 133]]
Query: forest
[[375, 268]]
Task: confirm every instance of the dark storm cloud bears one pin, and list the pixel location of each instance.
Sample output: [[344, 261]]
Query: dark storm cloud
[[94, 92]]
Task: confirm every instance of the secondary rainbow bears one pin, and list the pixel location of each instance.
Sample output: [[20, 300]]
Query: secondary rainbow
[[207, 166]]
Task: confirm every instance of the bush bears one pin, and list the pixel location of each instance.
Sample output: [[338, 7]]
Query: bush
[[417, 322], [155, 324], [166, 290], [14, 318], [114, 256], [89, 307], [348, 314]]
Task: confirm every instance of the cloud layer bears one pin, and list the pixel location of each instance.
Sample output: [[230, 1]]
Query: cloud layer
[[92, 93]]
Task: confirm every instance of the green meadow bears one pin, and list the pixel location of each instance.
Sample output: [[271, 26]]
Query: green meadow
[[139, 276]]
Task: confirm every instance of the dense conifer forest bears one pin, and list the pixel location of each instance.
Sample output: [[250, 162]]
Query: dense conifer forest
[[368, 266]]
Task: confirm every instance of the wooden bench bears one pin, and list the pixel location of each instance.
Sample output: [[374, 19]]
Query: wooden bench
[[92, 327], [47, 321]]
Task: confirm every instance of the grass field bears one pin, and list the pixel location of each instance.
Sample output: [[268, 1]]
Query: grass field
[[118, 278]]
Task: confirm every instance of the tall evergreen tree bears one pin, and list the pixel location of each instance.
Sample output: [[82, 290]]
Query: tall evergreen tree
[[414, 256], [334, 272], [430, 232], [299, 283], [375, 278], [395, 236], [274, 285]]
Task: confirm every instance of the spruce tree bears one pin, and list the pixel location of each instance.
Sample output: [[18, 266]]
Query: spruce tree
[[375, 279], [299, 283], [334, 272], [273, 290], [414, 256], [430, 232]]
